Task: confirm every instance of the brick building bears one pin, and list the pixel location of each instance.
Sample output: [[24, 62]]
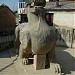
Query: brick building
[[7, 27]]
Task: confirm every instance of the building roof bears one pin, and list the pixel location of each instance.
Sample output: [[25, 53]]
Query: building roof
[[63, 5], [7, 18]]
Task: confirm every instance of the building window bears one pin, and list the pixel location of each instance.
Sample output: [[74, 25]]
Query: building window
[[22, 5], [49, 18]]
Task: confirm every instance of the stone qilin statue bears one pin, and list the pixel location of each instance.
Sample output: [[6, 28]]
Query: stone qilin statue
[[36, 37]]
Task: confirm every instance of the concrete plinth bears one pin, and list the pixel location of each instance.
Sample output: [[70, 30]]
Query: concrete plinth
[[39, 61]]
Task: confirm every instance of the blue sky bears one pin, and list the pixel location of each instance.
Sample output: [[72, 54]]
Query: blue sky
[[12, 4]]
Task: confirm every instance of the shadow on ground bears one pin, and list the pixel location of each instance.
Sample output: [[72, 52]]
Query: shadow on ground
[[5, 58], [65, 57], [6, 53]]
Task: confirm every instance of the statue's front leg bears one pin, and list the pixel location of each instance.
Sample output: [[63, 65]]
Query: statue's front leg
[[21, 52], [23, 56], [22, 60], [17, 41]]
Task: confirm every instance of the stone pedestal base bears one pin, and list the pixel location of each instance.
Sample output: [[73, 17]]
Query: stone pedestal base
[[39, 61]]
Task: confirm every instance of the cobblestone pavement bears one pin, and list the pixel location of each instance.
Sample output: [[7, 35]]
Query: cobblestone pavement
[[9, 65]]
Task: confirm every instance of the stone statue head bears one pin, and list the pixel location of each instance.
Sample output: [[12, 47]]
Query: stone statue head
[[36, 2], [35, 7], [40, 3]]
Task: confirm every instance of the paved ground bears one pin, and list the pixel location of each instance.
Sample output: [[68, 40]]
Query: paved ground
[[66, 58], [9, 65]]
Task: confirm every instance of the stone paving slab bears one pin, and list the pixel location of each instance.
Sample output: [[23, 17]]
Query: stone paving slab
[[17, 64], [6, 64], [30, 70], [9, 65], [65, 57]]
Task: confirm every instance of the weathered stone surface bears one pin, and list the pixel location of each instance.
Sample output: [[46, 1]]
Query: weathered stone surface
[[36, 37], [39, 61], [39, 34], [40, 2]]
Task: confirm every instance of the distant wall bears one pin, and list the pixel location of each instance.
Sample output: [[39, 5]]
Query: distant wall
[[64, 19], [65, 25], [65, 37]]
